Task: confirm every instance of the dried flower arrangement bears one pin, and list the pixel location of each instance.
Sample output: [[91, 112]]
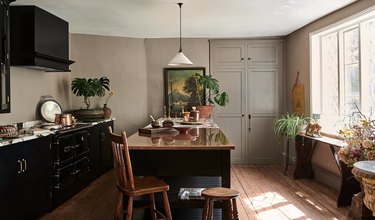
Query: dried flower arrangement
[[359, 137]]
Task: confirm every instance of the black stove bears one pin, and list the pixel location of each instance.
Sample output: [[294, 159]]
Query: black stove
[[71, 162]]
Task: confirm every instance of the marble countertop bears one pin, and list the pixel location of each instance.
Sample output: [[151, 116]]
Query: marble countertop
[[32, 130]]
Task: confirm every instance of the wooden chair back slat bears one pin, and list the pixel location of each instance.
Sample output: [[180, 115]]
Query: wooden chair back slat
[[121, 156]]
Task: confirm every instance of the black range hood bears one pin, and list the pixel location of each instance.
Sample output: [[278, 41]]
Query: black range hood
[[38, 39]]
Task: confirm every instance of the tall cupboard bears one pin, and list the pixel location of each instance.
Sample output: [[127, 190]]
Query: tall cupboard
[[251, 72]]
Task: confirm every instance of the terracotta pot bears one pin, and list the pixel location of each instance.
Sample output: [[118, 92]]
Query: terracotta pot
[[205, 111]]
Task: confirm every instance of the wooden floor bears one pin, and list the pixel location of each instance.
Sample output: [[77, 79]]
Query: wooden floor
[[265, 193]]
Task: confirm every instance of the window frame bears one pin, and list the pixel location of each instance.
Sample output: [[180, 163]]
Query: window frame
[[356, 21]]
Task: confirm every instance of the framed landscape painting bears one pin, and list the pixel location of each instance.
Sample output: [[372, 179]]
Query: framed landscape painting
[[180, 89]]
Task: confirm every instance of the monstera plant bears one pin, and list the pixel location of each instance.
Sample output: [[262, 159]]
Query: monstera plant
[[208, 99], [89, 88]]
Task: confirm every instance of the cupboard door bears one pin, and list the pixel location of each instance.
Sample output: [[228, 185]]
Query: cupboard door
[[229, 54], [33, 184], [262, 54], [8, 176], [105, 147], [262, 93], [230, 118], [4, 58]]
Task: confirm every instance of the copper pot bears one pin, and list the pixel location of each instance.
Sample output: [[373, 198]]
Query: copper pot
[[64, 119]]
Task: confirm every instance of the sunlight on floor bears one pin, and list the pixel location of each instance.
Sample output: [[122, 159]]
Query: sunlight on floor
[[272, 205], [309, 201]]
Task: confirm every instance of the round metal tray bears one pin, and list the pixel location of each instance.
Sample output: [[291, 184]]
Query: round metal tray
[[48, 109]]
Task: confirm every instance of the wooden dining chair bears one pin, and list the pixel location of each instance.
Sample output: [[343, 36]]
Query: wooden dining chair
[[130, 186]]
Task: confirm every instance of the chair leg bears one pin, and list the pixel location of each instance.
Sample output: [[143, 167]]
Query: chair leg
[[129, 209], [167, 208], [152, 206], [235, 212], [205, 209], [119, 207]]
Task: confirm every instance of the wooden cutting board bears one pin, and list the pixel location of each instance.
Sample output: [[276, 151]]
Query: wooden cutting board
[[298, 97], [149, 130]]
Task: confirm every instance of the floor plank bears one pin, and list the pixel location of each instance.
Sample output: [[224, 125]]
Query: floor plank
[[265, 193]]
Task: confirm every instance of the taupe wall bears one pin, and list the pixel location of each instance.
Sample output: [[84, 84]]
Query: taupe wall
[[123, 61], [298, 59], [159, 53], [27, 86]]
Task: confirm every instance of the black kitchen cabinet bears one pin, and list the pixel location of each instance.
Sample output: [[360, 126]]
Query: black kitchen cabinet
[[8, 176], [101, 158], [25, 179], [4, 57]]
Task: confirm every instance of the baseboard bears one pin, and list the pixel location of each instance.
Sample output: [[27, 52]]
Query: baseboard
[[327, 177]]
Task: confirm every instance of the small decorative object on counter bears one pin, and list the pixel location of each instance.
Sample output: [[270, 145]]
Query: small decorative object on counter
[[8, 130], [154, 123], [185, 116], [107, 112], [194, 114], [168, 123]]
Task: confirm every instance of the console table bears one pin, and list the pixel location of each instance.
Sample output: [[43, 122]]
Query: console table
[[305, 146]]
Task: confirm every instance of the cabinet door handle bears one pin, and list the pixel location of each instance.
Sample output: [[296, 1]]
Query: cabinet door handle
[[20, 166], [248, 58], [25, 165], [249, 123], [242, 58]]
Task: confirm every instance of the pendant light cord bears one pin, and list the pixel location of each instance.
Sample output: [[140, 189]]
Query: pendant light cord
[[180, 4]]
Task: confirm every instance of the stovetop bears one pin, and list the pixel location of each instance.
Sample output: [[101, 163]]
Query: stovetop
[[66, 129]]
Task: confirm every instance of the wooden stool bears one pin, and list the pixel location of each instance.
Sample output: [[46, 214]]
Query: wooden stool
[[220, 194]]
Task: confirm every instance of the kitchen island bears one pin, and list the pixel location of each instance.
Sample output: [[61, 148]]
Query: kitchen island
[[199, 158]]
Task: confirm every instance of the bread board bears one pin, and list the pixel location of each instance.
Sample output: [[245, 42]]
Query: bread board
[[191, 123], [149, 130]]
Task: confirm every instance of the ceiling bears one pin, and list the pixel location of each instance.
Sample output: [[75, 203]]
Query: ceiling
[[200, 18]]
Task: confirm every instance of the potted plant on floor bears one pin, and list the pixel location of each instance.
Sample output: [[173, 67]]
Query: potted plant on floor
[[207, 99], [89, 88]]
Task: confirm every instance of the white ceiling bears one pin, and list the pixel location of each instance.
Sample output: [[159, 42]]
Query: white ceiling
[[200, 18]]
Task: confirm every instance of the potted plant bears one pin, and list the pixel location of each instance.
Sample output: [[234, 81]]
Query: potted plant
[[289, 125], [208, 99], [89, 88]]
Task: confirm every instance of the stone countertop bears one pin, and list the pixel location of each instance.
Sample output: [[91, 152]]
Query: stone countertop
[[32, 131]]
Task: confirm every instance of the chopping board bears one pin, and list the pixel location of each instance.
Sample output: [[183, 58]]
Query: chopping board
[[298, 97], [150, 130]]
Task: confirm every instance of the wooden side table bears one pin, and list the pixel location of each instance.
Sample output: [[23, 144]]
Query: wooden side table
[[305, 147]]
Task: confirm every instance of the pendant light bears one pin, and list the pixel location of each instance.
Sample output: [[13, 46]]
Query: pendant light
[[180, 58]]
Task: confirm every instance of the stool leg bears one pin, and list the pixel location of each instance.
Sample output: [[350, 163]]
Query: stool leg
[[205, 209], [210, 209], [152, 206], [229, 209], [119, 205], [235, 212], [166, 206]]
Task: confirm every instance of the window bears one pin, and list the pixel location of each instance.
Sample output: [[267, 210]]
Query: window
[[343, 69]]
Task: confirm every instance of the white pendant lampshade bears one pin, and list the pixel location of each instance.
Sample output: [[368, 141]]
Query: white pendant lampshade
[[180, 59]]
